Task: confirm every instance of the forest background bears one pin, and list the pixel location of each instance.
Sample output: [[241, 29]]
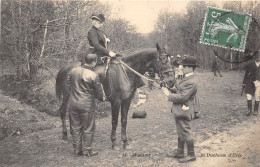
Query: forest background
[[39, 36]]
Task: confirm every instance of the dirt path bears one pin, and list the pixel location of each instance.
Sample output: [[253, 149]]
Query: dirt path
[[237, 147], [223, 129]]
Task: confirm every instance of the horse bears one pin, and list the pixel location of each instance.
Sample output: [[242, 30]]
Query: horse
[[118, 93]]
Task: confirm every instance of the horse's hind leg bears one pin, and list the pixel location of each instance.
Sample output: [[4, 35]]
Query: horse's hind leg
[[115, 111], [124, 112], [63, 110]]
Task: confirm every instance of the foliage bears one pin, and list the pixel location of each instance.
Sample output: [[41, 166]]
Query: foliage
[[49, 34], [124, 35]]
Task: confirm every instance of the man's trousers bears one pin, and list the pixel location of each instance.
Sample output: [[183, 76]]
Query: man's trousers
[[183, 128], [82, 128]]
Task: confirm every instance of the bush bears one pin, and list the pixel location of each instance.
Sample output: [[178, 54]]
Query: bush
[[40, 94]]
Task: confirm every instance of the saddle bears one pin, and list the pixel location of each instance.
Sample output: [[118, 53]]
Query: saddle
[[102, 69]]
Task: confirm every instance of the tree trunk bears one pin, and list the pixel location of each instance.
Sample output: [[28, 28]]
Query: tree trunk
[[32, 60], [67, 31]]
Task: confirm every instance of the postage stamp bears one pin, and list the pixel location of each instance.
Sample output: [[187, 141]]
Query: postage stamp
[[225, 29]]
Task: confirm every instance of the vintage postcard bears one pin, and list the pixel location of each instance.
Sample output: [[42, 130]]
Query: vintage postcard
[[114, 83]]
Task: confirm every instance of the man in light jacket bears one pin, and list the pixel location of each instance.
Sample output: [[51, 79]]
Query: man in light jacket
[[185, 105]]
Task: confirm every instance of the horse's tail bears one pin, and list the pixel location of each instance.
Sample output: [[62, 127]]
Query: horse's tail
[[62, 76], [60, 81]]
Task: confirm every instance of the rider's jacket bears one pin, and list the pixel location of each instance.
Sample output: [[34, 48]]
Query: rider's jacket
[[98, 43]]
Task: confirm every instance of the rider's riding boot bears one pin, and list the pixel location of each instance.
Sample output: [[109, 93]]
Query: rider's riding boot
[[178, 153], [191, 155], [249, 105], [255, 112]]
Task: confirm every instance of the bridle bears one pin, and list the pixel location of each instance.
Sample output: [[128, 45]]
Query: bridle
[[161, 73]]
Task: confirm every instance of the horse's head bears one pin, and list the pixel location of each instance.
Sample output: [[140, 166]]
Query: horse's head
[[163, 68], [142, 60]]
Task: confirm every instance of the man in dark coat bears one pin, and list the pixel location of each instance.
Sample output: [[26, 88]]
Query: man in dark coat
[[185, 104], [84, 87], [98, 39], [216, 66], [251, 83]]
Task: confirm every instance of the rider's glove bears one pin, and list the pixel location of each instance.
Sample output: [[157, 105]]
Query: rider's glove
[[112, 54]]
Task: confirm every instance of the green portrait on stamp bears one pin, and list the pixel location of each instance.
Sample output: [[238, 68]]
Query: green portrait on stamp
[[225, 29]]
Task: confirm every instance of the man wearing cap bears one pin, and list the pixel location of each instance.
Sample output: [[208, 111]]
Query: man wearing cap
[[251, 83], [185, 104], [84, 86], [98, 39]]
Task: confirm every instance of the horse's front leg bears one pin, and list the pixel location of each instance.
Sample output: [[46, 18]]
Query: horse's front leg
[[124, 112], [115, 111], [63, 110]]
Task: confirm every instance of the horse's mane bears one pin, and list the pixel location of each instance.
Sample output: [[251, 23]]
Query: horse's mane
[[138, 54]]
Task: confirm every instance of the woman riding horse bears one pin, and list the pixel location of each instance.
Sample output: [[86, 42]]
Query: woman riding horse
[[98, 39], [98, 43]]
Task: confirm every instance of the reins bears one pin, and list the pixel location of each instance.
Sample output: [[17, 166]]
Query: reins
[[134, 71], [144, 77]]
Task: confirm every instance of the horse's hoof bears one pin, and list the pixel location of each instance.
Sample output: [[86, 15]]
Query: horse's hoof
[[116, 148], [65, 138]]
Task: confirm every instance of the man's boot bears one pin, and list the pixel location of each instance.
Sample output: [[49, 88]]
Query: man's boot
[[249, 106], [191, 155], [78, 150], [178, 153], [87, 139], [255, 112], [90, 153]]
